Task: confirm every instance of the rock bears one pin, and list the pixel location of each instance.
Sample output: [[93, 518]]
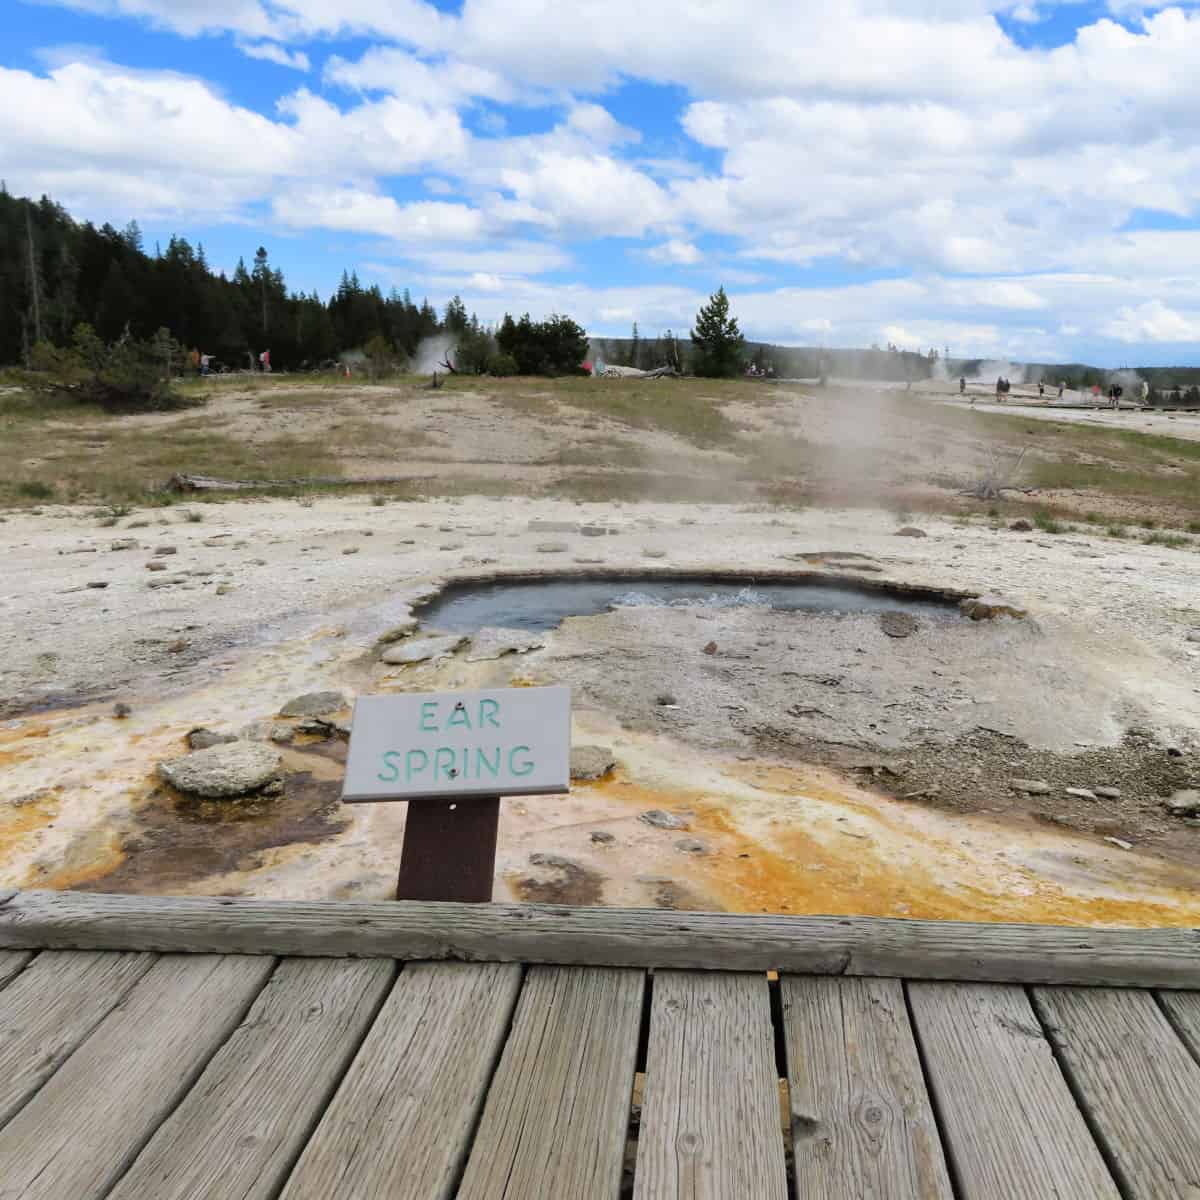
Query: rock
[[494, 642], [124, 544], [280, 734], [1031, 787], [986, 608], [710, 648], [451, 546], [1081, 793], [1184, 804], [662, 820], [223, 589], [423, 649], [591, 762], [1120, 843], [166, 581], [665, 700], [553, 526], [691, 846], [593, 530], [314, 704], [1194, 635], [121, 711], [601, 838], [651, 553], [223, 771], [98, 583], [399, 632], [163, 551], [350, 550], [898, 624], [911, 531], [1021, 526], [552, 547], [274, 788], [1108, 793], [156, 566], [178, 646], [217, 539], [203, 739], [318, 727]]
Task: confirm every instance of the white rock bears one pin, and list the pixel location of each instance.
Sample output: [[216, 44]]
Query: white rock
[[423, 649], [495, 642], [223, 771]]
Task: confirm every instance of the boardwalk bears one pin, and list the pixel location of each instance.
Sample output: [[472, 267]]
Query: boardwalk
[[155, 1049]]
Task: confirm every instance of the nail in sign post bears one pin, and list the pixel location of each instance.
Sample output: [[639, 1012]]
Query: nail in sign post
[[452, 755]]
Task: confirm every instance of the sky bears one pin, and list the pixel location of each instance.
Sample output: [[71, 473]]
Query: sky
[[1008, 180]]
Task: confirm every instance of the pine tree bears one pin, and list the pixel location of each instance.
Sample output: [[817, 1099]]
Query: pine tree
[[718, 341]]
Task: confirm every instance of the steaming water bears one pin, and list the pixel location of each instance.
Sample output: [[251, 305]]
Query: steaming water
[[541, 606]]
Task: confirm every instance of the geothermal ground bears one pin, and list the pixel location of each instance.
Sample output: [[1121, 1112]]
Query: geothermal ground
[[805, 761]]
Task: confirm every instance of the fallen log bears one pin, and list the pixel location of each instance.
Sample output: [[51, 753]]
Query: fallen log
[[208, 483]]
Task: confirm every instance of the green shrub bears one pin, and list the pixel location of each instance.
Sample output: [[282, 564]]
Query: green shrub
[[35, 489], [502, 365]]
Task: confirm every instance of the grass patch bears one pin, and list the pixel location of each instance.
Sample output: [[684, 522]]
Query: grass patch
[[1117, 531], [1046, 523], [1159, 538], [687, 411], [35, 489]]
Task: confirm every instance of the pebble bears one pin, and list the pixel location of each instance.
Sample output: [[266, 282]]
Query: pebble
[[601, 838], [124, 544], [1108, 793], [691, 846], [1194, 636], [97, 583], [163, 551], [156, 566], [201, 738], [551, 547], [1185, 803], [350, 550], [898, 624], [591, 762], [911, 531], [662, 820], [314, 704], [1120, 843], [1081, 793], [1031, 787], [649, 553]]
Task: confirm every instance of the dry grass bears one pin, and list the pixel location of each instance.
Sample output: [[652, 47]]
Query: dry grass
[[52, 450]]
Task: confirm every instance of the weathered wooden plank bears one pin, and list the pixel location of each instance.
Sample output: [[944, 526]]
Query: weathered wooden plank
[[1009, 1122], [1137, 1080], [244, 1122], [77, 1135], [399, 1126], [558, 1108], [12, 963], [710, 1113], [51, 1007], [1183, 1010], [606, 937], [862, 1122]]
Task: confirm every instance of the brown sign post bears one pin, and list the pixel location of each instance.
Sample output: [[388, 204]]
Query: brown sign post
[[452, 755]]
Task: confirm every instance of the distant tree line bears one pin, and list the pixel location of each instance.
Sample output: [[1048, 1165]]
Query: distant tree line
[[57, 275]]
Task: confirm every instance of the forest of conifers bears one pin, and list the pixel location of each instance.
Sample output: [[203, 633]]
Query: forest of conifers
[[57, 273]]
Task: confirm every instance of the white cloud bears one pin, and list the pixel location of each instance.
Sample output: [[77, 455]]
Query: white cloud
[[355, 211], [1153, 321], [677, 251], [274, 52]]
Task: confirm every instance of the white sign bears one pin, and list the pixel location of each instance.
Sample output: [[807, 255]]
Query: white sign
[[505, 742]]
